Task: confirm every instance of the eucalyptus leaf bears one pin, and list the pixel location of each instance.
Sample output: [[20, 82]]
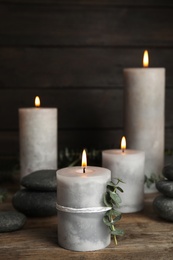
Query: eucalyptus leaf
[[110, 183], [112, 212], [3, 195], [117, 232], [116, 219], [119, 188], [112, 199], [110, 188], [118, 181], [106, 200], [116, 198], [107, 221]]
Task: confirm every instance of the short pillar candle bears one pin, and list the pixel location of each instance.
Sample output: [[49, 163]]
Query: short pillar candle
[[78, 190], [144, 104], [127, 165], [38, 139]]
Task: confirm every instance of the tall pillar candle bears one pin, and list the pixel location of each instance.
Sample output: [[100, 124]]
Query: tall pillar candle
[[127, 165], [144, 95], [81, 209], [38, 139]]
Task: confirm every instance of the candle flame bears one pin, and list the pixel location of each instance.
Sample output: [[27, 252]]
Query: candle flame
[[37, 101], [145, 59], [123, 144], [84, 160]]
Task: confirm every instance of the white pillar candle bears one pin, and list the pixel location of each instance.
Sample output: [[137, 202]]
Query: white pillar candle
[[127, 165], [144, 95], [38, 139], [79, 190]]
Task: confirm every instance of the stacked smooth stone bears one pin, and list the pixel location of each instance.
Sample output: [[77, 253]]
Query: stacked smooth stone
[[10, 220], [163, 204], [38, 197]]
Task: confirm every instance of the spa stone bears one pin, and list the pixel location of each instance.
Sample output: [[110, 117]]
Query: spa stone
[[42, 180], [11, 221], [35, 204]]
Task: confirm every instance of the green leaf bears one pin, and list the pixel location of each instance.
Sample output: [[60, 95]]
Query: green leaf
[[117, 232], [110, 188], [121, 190], [116, 219], [107, 221], [3, 195], [112, 213], [118, 181], [112, 199], [106, 200], [110, 183], [115, 197]]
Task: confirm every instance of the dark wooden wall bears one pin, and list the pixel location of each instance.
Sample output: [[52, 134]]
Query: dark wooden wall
[[72, 54]]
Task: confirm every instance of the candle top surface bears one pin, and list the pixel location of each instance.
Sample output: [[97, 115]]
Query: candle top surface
[[36, 108], [145, 69], [77, 171], [120, 152]]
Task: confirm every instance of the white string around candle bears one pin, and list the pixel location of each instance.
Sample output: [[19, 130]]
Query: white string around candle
[[82, 210]]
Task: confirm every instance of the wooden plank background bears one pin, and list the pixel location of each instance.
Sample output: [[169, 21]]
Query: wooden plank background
[[72, 54]]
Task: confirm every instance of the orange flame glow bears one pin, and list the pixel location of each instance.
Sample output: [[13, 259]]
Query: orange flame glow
[[123, 144], [145, 59], [37, 101], [84, 160]]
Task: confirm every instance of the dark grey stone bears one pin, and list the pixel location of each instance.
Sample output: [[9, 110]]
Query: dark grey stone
[[43, 180], [165, 187], [34, 203], [168, 172], [11, 221], [164, 207]]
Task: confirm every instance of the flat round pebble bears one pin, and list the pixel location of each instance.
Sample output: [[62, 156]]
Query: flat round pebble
[[164, 207], [168, 172], [34, 203], [42, 180], [11, 221], [165, 187]]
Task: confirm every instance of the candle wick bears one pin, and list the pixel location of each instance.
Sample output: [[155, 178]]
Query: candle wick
[[123, 150], [83, 169]]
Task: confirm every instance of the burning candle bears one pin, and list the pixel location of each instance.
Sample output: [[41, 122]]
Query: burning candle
[[144, 95], [127, 165], [38, 138], [81, 208]]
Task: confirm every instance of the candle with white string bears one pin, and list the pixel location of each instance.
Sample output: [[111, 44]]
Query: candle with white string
[[80, 206]]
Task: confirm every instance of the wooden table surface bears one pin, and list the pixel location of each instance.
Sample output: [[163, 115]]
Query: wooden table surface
[[146, 237]]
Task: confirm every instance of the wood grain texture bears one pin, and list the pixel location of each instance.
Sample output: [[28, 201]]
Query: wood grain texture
[[128, 3], [72, 54], [146, 237], [74, 139], [77, 25], [80, 109], [87, 118], [75, 67], [77, 139], [83, 109]]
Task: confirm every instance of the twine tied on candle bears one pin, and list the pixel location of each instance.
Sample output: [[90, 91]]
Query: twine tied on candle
[[82, 210]]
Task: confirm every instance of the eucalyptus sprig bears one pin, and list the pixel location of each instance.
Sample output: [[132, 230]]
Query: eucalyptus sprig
[[152, 179], [3, 195], [112, 216]]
